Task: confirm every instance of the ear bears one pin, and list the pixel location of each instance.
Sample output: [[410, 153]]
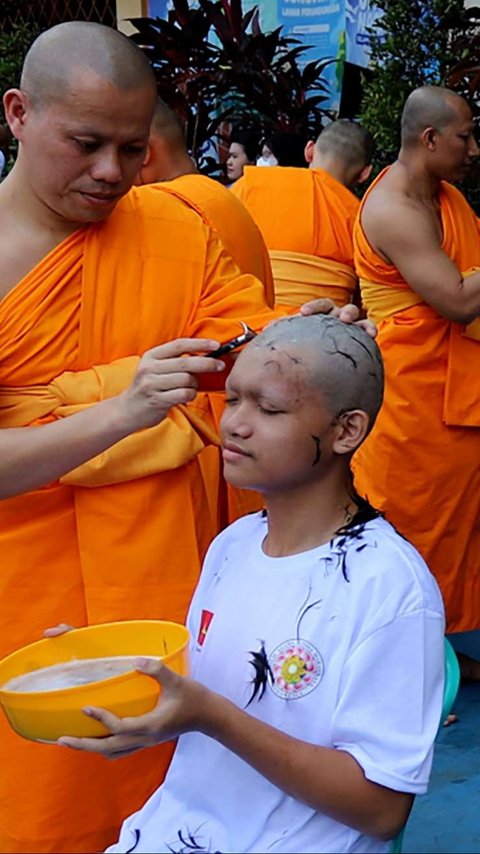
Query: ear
[[15, 104], [351, 429], [364, 175], [309, 151], [428, 138], [148, 155]]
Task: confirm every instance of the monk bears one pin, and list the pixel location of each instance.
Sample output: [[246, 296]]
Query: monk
[[306, 216], [92, 276], [168, 161], [416, 247]]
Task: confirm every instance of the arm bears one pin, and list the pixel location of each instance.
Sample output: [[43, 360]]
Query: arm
[[324, 778], [31, 457], [407, 238]]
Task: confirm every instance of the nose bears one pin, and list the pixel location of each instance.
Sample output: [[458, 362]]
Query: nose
[[473, 147], [107, 166], [234, 422]]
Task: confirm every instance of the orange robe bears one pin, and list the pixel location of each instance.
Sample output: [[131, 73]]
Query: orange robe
[[421, 463], [243, 241], [235, 227], [306, 217], [82, 552]]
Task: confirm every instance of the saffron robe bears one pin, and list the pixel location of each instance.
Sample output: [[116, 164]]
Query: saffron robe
[[123, 536], [243, 241], [421, 463], [306, 218]]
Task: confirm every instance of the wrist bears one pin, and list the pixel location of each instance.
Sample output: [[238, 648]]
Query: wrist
[[117, 416], [212, 713]]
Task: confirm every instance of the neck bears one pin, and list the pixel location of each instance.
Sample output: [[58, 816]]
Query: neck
[[178, 166], [422, 184], [333, 167], [309, 516]]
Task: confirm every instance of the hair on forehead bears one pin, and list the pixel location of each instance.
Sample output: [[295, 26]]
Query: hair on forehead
[[348, 141], [428, 106], [343, 362], [58, 53]]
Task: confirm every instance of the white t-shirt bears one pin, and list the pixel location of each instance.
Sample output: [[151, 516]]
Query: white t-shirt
[[353, 633]]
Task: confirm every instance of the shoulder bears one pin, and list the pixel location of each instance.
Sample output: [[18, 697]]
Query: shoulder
[[385, 568], [243, 530]]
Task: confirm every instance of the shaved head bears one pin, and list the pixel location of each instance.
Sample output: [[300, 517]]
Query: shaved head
[[348, 142], [60, 52], [167, 125], [429, 106], [342, 362]]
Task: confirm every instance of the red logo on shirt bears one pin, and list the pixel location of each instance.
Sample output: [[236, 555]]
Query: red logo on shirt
[[207, 617]]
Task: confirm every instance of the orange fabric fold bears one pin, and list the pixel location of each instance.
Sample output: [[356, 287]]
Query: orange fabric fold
[[170, 444], [232, 222], [299, 278], [305, 212], [420, 464], [154, 271]]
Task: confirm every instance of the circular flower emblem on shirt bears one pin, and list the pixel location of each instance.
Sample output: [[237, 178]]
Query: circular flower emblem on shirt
[[297, 669]]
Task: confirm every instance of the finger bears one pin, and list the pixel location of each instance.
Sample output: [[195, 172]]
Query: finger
[[318, 306], [183, 365], [158, 671], [349, 313], [183, 345], [54, 631], [368, 326], [107, 746]]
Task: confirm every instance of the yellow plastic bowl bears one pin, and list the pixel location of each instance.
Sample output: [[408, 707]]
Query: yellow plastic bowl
[[46, 715]]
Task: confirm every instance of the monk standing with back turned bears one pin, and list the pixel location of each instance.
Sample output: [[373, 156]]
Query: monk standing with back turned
[[417, 253]]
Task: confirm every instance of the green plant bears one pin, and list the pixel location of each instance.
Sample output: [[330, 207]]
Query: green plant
[[14, 44], [214, 65]]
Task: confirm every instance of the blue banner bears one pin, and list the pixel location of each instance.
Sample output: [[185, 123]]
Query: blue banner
[[321, 25], [359, 15]]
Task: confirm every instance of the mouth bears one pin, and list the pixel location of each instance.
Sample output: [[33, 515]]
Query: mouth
[[102, 200], [232, 452]]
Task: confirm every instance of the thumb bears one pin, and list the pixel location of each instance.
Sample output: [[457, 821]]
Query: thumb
[[153, 667]]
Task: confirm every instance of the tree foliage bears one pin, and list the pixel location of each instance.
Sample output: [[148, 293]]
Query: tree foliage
[[214, 64]]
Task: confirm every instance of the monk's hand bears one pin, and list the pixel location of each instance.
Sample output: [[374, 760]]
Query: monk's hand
[[347, 314], [166, 376], [184, 705]]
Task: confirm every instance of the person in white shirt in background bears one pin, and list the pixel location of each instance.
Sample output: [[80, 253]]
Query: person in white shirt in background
[[315, 694], [4, 148]]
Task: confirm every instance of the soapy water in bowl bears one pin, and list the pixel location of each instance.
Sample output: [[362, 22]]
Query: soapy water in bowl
[[71, 674]]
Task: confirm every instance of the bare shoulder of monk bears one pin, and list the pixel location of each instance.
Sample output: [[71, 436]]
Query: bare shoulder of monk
[[393, 222]]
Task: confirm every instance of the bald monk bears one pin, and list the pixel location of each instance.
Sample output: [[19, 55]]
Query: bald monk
[[306, 216], [417, 253], [92, 276]]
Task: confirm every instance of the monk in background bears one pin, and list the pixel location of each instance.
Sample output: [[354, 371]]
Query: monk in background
[[92, 275], [167, 161], [417, 253], [306, 216]]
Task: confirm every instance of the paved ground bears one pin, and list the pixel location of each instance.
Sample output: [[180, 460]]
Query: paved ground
[[447, 819]]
